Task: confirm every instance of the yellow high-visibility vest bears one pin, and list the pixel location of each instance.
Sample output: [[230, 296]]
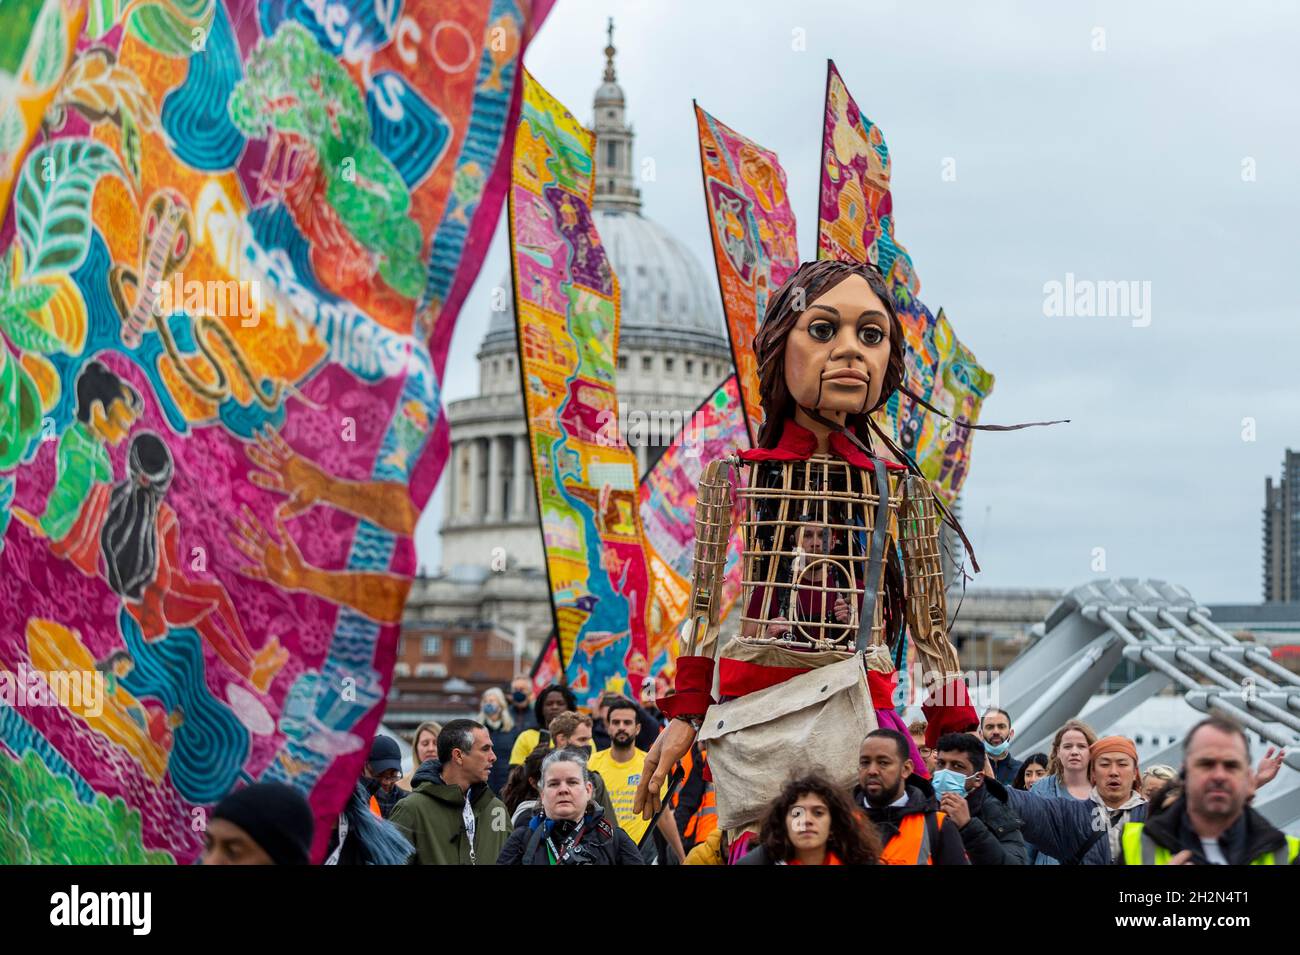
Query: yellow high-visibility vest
[[1139, 851]]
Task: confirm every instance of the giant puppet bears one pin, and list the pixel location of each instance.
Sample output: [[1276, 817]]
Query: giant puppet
[[825, 596]]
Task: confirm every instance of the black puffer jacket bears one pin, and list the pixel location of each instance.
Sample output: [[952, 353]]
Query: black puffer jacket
[[599, 843], [992, 837]]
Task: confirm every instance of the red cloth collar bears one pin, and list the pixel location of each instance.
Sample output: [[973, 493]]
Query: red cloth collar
[[799, 444]]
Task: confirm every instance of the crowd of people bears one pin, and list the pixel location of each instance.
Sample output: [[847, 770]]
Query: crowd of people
[[534, 781]]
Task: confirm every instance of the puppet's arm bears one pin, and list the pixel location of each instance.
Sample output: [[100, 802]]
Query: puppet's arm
[[948, 707], [692, 691]]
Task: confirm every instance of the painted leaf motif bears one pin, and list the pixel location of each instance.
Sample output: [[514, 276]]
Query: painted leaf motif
[[16, 39], [20, 410], [52, 202], [46, 378], [169, 26], [51, 47], [25, 333], [101, 88]]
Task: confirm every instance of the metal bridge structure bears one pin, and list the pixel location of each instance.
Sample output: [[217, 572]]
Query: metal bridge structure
[[1166, 632]]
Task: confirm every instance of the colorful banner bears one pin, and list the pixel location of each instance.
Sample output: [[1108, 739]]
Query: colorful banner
[[230, 231], [754, 242], [668, 492], [856, 224], [567, 313]]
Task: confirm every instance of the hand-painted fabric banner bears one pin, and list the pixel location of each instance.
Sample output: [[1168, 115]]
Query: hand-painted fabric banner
[[567, 312], [754, 243], [230, 231], [668, 493], [856, 224]]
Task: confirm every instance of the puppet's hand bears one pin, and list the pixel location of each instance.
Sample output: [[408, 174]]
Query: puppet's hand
[[778, 627], [673, 743]]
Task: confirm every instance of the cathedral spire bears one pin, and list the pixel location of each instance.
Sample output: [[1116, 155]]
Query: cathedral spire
[[616, 189], [609, 52]]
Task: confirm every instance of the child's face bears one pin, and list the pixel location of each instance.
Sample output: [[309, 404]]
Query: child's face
[[837, 353]]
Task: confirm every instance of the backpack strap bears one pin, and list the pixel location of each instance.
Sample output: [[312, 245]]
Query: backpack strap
[[932, 825], [1077, 858], [534, 840]]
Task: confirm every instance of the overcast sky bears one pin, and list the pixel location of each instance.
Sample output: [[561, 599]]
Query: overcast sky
[[1168, 157]]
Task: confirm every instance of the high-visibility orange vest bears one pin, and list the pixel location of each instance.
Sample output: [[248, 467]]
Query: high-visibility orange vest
[[912, 844], [705, 819], [374, 807]]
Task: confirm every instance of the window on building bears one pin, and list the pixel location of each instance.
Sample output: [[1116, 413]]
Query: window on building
[[464, 646], [690, 366], [668, 364], [611, 153], [432, 646], [645, 363], [622, 362], [510, 363]]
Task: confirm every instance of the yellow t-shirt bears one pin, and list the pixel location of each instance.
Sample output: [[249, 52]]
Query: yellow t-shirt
[[525, 743], [621, 780]]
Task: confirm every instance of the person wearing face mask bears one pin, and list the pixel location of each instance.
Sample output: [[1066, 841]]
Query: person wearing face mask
[[902, 807], [495, 715], [521, 703], [996, 732], [976, 803], [569, 827]]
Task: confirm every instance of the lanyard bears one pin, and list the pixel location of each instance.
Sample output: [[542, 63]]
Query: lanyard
[[574, 838]]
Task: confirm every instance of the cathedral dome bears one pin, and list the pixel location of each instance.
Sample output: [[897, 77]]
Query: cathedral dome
[[667, 297]]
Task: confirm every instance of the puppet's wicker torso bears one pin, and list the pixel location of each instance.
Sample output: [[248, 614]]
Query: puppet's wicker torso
[[806, 530]]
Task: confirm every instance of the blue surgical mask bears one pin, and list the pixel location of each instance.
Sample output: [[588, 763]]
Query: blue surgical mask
[[948, 781], [997, 751], [490, 708]]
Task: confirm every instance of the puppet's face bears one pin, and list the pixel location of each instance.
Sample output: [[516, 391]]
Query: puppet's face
[[838, 351]]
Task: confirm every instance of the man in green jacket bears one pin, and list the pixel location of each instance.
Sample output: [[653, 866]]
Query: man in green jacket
[[452, 817]]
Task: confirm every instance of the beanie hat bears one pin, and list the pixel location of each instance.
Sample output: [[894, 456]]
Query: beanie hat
[[1118, 744], [275, 816]]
